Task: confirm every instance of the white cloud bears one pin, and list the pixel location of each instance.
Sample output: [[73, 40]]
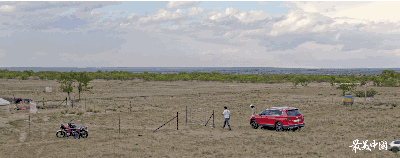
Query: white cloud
[[2, 53], [370, 11], [395, 52], [252, 16], [217, 16], [115, 12], [180, 4], [262, 3], [336, 16], [95, 12], [66, 56], [293, 21], [320, 47], [230, 11], [337, 36], [229, 50], [306, 36], [195, 11], [131, 16], [319, 28], [7, 8], [162, 14], [174, 27], [218, 8], [251, 32], [40, 53], [124, 24]]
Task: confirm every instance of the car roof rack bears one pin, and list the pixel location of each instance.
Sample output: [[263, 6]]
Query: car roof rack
[[285, 107]]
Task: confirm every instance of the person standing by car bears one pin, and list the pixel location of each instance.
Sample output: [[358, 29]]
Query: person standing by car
[[226, 115], [254, 109]]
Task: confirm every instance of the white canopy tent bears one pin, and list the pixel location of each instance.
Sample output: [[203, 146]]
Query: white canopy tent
[[4, 102], [3, 108]]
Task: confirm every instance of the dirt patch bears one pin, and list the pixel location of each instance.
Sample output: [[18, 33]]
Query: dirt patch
[[22, 138], [330, 127]]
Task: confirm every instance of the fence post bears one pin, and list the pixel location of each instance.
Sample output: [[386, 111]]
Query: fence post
[[213, 119], [176, 120], [365, 93], [29, 125], [130, 105]]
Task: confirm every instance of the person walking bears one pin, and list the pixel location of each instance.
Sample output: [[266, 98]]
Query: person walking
[[254, 109], [226, 115]]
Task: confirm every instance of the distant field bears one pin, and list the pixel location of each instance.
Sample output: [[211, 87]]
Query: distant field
[[330, 127]]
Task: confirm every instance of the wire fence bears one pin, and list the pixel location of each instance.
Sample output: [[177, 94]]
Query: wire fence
[[170, 121], [200, 116]]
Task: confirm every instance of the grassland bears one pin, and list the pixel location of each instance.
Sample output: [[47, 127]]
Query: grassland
[[330, 127]]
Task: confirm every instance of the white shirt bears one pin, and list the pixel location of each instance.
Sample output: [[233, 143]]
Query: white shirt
[[226, 113]]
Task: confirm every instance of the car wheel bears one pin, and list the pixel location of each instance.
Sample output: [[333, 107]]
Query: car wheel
[[395, 149], [278, 126], [254, 124]]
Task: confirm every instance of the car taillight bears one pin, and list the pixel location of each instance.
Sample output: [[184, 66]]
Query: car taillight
[[86, 127]]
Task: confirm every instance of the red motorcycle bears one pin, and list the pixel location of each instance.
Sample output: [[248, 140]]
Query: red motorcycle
[[72, 130]]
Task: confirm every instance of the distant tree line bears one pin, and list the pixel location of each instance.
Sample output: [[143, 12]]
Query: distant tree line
[[388, 78]]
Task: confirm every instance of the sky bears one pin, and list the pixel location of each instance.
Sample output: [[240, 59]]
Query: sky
[[329, 34]]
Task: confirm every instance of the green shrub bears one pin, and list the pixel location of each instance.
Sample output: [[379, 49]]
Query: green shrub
[[12, 123], [370, 93]]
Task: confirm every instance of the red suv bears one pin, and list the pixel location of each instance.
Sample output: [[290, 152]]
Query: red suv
[[279, 118]]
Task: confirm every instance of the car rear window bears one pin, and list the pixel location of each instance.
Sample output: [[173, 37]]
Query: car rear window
[[293, 112]]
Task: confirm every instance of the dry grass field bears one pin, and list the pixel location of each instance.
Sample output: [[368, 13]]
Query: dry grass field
[[329, 131]]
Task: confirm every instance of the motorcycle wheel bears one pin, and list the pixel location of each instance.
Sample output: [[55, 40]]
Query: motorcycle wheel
[[84, 134], [60, 134], [76, 135]]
